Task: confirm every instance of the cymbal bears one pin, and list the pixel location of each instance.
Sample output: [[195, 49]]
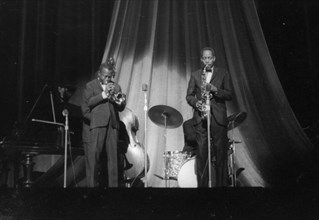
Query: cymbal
[[159, 113], [236, 119]]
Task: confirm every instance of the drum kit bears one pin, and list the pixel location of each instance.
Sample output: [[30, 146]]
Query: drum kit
[[168, 117], [179, 165], [233, 121]]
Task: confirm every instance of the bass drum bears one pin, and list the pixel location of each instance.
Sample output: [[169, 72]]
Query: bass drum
[[186, 177], [173, 161]]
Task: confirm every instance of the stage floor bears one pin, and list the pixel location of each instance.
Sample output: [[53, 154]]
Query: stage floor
[[155, 203]]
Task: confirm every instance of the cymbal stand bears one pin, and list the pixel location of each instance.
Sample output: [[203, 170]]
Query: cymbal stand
[[209, 144], [145, 131], [166, 176], [232, 173]]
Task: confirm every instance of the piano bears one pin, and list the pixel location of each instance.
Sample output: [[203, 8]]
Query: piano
[[42, 132]]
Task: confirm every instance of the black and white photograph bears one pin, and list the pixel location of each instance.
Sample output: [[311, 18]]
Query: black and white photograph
[[159, 109]]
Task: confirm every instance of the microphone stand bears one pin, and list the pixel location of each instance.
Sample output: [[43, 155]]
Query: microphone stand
[[232, 156], [66, 132], [209, 144], [208, 136], [165, 139], [145, 139]]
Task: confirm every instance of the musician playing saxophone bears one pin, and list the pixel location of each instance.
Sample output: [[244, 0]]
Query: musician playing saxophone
[[102, 101], [212, 82]]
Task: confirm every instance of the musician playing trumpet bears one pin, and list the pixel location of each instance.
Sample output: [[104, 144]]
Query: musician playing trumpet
[[102, 101], [213, 83]]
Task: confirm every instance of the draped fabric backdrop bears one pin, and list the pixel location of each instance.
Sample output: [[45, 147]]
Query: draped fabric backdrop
[[47, 44], [158, 43]]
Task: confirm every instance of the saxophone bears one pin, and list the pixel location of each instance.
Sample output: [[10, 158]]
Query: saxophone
[[205, 95]]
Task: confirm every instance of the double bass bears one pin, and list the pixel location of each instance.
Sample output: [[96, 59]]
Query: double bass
[[134, 152]]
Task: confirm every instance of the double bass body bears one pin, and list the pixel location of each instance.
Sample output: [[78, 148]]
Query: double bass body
[[134, 154]]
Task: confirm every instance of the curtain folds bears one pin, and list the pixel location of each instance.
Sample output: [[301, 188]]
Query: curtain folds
[[158, 43], [46, 44]]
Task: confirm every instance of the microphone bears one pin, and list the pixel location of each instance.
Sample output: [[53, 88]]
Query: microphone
[[144, 87], [65, 112]]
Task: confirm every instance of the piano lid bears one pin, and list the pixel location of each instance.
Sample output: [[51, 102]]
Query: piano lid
[[48, 106]]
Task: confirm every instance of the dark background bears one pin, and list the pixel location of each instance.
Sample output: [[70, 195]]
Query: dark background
[[62, 42], [291, 31]]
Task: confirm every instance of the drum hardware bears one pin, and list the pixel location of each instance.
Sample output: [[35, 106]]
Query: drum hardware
[[167, 117], [233, 121], [162, 178], [231, 166], [229, 147]]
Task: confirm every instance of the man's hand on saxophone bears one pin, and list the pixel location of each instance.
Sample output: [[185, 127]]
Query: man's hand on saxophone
[[210, 87], [199, 105]]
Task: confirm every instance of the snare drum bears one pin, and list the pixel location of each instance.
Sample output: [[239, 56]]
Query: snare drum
[[173, 161], [187, 177]]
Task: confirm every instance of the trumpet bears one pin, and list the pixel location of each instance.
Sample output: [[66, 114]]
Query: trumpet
[[114, 96]]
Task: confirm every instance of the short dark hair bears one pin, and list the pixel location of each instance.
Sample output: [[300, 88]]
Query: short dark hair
[[207, 48], [106, 66], [109, 65]]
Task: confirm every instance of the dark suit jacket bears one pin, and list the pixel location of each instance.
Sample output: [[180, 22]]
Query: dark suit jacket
[[221, 80], [98, 111]]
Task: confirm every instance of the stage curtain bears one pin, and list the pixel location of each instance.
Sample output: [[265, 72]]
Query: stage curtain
[[46, 44], [158, 42]]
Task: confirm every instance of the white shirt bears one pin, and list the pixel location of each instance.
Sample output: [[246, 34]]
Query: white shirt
[[103, 93], [209, 75]]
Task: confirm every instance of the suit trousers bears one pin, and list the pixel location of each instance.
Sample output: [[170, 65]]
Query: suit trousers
[[103, 140], [218, 153]]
